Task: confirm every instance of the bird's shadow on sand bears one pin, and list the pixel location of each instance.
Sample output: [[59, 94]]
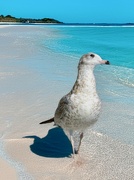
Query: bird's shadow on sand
[[54, 145]]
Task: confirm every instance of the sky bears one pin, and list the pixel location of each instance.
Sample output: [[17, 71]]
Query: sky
[[71, 11]]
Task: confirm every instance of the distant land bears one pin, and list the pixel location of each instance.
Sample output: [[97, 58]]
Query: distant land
[[10, 18]]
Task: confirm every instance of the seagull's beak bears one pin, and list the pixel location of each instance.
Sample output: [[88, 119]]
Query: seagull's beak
[[104, 62]]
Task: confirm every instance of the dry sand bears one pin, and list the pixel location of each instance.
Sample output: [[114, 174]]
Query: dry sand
[[42, 152]]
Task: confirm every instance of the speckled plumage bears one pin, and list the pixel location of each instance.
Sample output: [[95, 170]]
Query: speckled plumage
[[80, 108]]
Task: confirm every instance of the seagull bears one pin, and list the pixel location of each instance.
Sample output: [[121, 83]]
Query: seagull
[[80, 108]]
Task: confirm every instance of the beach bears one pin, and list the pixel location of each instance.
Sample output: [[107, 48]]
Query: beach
[[33, 78]]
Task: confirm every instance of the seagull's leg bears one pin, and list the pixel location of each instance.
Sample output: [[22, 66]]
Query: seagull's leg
[[81, 136], [72, 141]]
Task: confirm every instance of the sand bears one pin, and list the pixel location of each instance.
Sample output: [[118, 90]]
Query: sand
[[41, 152], [6, 171]]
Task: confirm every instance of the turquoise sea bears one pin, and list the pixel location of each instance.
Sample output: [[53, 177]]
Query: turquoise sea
[[114, 43]]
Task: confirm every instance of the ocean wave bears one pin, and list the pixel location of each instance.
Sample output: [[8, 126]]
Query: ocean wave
[[121, 75], [124, 75]]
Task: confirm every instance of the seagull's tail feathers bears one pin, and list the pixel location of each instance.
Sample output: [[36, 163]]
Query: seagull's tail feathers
[[47, 121]]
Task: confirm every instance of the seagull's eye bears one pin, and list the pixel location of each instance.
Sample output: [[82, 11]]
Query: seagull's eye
[[92, 55]]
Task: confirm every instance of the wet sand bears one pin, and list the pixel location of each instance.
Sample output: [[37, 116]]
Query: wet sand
[[6, 171]]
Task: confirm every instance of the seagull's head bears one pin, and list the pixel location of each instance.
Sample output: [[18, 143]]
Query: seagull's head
[[92, 59]]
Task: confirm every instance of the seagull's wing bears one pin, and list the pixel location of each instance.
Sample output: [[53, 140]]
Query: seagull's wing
[[63, 106]]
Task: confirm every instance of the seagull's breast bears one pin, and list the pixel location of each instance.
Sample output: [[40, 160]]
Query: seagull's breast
[[87, 107], [78, 111]]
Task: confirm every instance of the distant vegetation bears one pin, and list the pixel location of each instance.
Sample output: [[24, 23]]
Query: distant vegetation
[[10, 18]]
